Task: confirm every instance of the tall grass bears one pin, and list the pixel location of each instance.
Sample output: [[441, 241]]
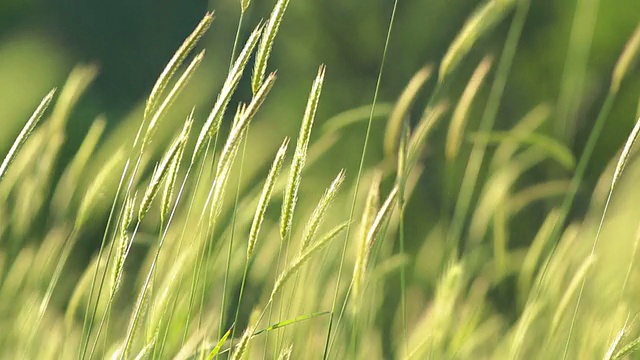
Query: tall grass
[[186, 271]]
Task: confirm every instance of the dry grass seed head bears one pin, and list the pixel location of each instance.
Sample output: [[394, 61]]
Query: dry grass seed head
[[417, 140], [375, 223], [78, 81], [285, 354], [244, 5], [65, 189]]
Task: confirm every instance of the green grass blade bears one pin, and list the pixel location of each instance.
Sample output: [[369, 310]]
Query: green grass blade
[[297, 319], [216, 349]]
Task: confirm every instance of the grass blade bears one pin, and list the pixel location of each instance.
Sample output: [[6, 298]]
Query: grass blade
[[291, 322], [218, 346]]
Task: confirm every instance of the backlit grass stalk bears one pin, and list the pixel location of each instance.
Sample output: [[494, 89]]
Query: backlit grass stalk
[[258, 218], [303, 257], [212, 124], [154, 98], [160, 173], [321, 210], [25, 132], [334, 302], [231, 239], [168, 101], [400, 184], [175, 62], [362, 258], [216, 194], [299, 157], [630, 52]]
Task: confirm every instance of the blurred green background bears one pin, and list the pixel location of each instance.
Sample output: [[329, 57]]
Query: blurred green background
[[131, 41]]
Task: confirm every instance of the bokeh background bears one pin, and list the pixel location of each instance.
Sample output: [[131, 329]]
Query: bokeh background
[[131, 41]]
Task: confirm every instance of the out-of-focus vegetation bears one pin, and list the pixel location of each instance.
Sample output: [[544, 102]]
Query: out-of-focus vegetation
[[486, 209]]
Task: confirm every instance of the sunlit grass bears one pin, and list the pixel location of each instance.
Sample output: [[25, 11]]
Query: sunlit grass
[[210, 251]]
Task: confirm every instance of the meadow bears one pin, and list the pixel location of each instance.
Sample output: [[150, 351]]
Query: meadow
[[426, 227]]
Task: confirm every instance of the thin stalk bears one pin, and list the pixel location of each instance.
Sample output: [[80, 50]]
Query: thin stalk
[[184, 228], [233, 230], [575, 184], [355, 192], [266, 337], [88, 320]]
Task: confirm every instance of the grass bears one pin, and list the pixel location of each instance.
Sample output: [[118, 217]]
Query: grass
[[186, 270]]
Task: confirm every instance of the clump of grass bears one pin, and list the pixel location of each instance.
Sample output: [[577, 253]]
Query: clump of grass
[[444, 307]]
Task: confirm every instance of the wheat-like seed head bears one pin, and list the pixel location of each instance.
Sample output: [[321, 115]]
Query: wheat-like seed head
[[174, 167], [266, 43], [24, 134], [285, 354], [161, 172], [170, 98], [299, 157], [302, 258], [174, 64], [212, 124], [321, 210], [122, 246], [263, 202], [241, 348]]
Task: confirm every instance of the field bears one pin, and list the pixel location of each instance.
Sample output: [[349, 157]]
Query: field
[[479, 205]]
